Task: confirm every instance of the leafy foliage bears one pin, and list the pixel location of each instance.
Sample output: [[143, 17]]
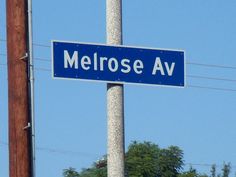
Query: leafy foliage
[[226, 170], [94, 172], [191, 173], [71, 172], [147, 159], [213, 170], [170, 162], [142, 160], [99, 169]]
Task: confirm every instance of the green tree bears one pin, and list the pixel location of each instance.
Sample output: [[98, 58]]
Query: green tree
[[71, 172], [148, 160], [226, 170], [93, 172], [170, 162], [213, 170], [99, 169], [142, 159], [191, 173]]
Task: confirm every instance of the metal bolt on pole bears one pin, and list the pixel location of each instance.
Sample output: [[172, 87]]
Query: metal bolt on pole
[[115, 96]]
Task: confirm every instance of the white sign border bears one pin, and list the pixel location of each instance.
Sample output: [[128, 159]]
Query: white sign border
[[117, 82]]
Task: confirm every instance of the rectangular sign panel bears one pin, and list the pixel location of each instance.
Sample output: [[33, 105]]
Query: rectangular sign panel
[[118, 64]]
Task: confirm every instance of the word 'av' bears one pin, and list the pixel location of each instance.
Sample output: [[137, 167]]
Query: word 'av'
[[124, 65]]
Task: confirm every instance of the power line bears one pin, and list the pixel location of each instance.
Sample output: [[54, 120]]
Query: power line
[[64, 152], [42, 59], [41, 45], [207, 165], [199, 64], [211, 65], [76, 153], [42, 69], [211, 88], [36, 58], [211, 78], [35, 44], [190, 76], [189, 63], [189, 85]]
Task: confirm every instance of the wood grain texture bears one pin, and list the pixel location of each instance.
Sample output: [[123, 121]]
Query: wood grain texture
[[19, 139]]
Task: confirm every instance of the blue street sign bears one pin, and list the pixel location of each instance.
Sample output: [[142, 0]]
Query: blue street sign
[[118, 64]]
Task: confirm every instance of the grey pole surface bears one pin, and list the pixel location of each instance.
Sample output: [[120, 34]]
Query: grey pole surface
[[115, 97], [31, 87]]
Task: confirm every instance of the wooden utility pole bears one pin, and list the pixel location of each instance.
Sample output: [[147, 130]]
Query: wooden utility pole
[[19, 129]]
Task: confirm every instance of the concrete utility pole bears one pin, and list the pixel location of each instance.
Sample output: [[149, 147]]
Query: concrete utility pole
[[115, 96], [18, 95]]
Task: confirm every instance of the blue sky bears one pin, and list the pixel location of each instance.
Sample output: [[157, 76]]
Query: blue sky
[[71, 115]]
